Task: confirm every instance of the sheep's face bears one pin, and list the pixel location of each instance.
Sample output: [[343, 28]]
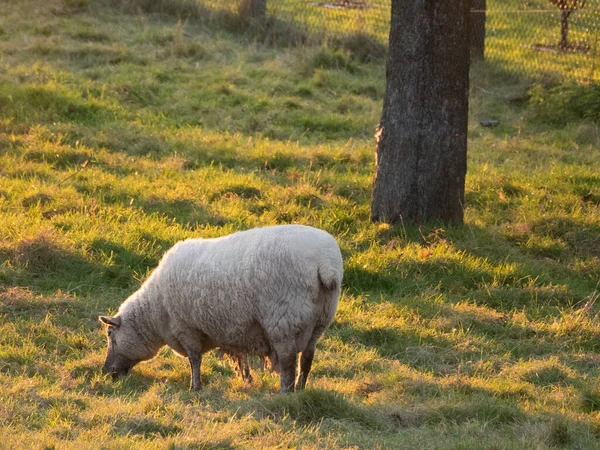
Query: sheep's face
[[125, 347]]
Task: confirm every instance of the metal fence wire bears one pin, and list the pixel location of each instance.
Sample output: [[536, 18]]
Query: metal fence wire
[[544, 38], [536, 38]]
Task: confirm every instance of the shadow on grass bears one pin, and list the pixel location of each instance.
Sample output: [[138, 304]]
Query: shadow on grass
[[46, 263], [135, 140], [312, 406], [22, 302], [89, 55], [436, 352], [273, 31], [144, 426], [489, 299], [187, 213], [120, 263], [431, 354], [51, 105], [45, 258], [520, 277], [580, 238]]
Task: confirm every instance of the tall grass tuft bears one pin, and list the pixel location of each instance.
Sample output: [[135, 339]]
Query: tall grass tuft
[[177, 46], [312, 406]]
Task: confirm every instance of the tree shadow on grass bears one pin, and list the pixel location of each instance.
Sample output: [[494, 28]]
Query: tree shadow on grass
[[492, 329], [557, 259], [549, 280]]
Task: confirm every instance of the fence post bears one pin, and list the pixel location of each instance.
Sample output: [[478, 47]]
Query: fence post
[[594, 53], [478, 13]]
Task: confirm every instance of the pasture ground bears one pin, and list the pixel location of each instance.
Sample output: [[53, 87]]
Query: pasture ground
[[122, 132]]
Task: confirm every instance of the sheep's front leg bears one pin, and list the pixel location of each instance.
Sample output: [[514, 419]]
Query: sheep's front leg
[[195, 362], [287, 358]]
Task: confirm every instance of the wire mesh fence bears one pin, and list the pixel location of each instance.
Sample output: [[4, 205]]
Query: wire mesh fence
[[535, 38], [544, 38]]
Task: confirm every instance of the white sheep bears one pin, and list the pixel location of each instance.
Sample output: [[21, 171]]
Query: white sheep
[[269, 291]]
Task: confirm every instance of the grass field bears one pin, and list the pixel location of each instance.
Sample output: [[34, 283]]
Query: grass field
[[123, 132]]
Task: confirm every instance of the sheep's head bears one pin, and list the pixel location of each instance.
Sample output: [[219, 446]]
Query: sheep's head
[[125, 347]]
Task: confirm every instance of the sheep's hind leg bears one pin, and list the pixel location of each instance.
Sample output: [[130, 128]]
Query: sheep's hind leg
[[305, 364], [244, 367]]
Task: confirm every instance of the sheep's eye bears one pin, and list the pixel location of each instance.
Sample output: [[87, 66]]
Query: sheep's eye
[[110, 331]]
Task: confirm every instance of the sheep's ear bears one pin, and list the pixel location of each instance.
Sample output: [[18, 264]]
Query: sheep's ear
[[114, 321]]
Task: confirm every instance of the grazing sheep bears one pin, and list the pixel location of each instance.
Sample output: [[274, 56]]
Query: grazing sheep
[[269, 291]]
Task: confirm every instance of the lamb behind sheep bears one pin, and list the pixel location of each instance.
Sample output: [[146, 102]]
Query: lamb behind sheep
[[240, 363], [269, 291]]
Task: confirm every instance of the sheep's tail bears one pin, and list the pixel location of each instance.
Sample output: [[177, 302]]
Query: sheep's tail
[[330, 272]]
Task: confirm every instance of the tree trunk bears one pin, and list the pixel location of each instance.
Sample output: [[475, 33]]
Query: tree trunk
[[254, 11], [422, 136], [564, 29], [478, 29]]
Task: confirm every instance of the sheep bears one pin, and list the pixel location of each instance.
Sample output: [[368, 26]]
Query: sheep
[[242, 364], [268, 291]]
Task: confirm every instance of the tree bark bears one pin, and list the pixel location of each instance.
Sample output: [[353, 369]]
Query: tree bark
[[564, 29], [478, 29], [422, 136], [253, 10]]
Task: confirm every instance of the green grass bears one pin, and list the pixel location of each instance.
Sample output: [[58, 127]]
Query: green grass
[[120, 135]]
